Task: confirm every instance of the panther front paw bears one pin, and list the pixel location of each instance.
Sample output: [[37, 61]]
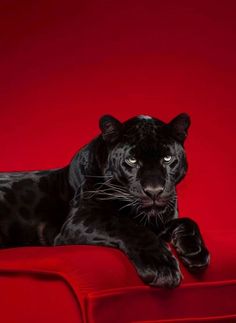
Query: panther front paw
[[190, 246], [196, 261], [160, 270], [167, 277]]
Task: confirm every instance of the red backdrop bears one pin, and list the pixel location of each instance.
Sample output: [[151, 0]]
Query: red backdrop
[[63, 64]]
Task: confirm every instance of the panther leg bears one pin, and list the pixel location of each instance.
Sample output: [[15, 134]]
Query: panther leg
[[150, 255], [186, 237]]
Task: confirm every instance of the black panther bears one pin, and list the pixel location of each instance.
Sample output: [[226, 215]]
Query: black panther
[[118, 191]]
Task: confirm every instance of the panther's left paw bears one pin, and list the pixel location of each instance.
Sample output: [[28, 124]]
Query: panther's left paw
[[193, 253], [189, 245]]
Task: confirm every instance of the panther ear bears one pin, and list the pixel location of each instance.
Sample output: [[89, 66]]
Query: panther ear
[[110, 128], [179, 127]]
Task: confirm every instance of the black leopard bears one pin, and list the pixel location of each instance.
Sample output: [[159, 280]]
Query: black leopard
[[118, 191]]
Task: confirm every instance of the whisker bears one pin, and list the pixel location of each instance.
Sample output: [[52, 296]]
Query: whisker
[[98, 189], [116, 187], [146, 220], [113, 198], [143, 218], [107, 192], [97, 176], [137, 215], [129, 204], [116, 190]]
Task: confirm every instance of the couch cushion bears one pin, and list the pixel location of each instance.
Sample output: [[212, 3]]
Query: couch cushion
[[100, 284]]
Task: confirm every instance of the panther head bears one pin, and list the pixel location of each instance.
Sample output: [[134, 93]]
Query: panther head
[[145, 160]]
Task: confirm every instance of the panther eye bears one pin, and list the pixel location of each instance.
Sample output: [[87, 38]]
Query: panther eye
[[167, 158], [131, 161]]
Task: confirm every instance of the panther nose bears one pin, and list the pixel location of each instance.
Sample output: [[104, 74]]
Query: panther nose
[[153, 191]]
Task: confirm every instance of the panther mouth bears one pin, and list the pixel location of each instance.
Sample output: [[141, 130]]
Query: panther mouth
[[149, 203]]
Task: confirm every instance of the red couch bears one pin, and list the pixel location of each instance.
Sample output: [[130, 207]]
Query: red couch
[[98, 284], [63, 65]]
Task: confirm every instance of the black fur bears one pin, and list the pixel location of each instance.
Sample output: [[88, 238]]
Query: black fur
[[118, 191]]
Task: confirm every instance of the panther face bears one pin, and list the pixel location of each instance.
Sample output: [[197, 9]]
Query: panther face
[[146, 159]]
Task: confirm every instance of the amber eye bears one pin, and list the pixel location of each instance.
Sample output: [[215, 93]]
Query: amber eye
[[167, 159], [131, 161]]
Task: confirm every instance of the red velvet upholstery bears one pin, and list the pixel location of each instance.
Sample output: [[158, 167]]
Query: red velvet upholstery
[[65, 63], [96, 284]]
